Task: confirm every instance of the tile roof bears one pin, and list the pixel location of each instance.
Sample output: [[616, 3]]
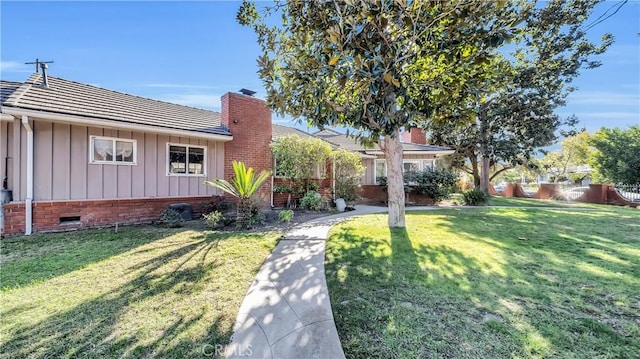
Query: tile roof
[[341, 140], [7, 88], [351, 144], [74, 98], [279, 131]]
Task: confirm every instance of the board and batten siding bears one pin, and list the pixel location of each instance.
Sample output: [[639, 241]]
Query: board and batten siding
[[62, 170]]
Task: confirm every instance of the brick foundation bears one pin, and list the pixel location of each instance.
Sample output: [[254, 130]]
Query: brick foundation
[[99, 213]]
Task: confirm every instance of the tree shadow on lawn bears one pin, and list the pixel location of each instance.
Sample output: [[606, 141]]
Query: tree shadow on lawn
[[167, 306], [414, 296], [32, 259]]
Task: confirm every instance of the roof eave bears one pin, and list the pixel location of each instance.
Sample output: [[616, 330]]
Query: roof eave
[[83, 120]]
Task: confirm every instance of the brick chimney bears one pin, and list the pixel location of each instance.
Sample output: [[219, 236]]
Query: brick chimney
[[418, 136], [249, 121]]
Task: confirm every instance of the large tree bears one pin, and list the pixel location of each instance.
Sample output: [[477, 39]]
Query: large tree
[[377, 66], [514, 114], [617, 155]]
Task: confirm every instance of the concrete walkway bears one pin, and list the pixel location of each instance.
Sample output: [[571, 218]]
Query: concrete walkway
[[286, 313]]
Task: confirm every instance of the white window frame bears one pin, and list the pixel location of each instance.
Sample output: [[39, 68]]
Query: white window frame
[[186, 174], [375, 169], [92, 159], [427, 163], [419, 162]]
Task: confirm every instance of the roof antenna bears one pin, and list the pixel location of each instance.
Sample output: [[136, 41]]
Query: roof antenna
[[247, 92], [44, 67], [38, 63]]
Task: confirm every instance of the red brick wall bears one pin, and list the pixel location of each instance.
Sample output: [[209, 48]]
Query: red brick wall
[[280, 199], [547, 190], [249, 120], [374, 194], [418, 136], [99, 213]]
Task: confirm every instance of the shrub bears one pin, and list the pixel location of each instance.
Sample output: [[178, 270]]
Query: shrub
[[214, 219], [348, 169], [347, 189], [382, 182], [257, 216], [311, 201], [285, 216], [475, 197], [243, 185], [437, 183], [171, 218], [216, 203]]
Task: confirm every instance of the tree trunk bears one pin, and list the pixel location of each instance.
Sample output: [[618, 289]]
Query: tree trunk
[[484, 171], [484, 164], [395, 182], [476, 172]]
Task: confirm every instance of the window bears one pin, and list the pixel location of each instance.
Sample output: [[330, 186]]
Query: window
[[410, 166], [381, 169], [107, 150], [186, 160]]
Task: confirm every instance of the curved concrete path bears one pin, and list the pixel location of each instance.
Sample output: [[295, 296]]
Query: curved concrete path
[[287, 313]]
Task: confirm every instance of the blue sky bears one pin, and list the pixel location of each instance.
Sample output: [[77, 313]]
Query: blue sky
[[193, 52]]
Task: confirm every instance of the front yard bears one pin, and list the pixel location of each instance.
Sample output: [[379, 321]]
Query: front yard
[[489, 283], [141, 292]]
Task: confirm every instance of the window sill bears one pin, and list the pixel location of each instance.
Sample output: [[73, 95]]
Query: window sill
[[113, 163], [185, 175]]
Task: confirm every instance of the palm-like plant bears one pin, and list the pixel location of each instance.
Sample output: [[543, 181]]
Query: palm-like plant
[[244, 184]]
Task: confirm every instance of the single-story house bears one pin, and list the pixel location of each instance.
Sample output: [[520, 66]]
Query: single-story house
[[76, 155], [417, 156]]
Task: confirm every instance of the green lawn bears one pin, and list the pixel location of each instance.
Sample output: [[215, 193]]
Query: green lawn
[[489, 283], [530, 202], [141, 292]]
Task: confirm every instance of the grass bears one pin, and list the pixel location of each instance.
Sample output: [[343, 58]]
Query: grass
[[141, 292], [530, 202], [489, 283]]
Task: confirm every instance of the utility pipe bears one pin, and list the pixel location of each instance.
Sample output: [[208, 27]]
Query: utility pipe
[[28, 210]]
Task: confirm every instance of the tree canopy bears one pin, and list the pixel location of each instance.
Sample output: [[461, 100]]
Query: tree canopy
[[377, 67], [514, 116], [617, 155]]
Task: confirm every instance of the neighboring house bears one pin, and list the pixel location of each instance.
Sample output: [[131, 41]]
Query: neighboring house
[[78, 155], [417, 156]]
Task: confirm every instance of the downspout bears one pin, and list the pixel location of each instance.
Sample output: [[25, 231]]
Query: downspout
[[28, 210], [333, 178], [273, 174]]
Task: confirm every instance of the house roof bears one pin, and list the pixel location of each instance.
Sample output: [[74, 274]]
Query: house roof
[[7, 88], [279, 131], [350, 144], [341, 140], [74, 98]]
